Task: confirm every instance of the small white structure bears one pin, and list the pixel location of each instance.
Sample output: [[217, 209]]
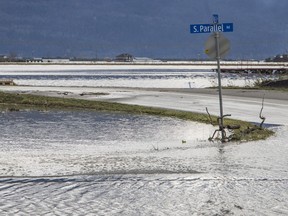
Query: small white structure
[[144, 59], [52, 60]]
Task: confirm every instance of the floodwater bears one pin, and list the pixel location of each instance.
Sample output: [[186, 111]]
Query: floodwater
[[97, 163], [77, 143], [143, 78]]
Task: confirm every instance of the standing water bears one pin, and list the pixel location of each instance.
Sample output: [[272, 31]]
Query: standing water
[[59, 163], [97, 163]]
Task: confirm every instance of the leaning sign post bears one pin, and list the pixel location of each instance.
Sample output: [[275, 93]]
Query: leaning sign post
[[217, 46]]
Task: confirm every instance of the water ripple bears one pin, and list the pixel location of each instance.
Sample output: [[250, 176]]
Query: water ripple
[[155, 194]]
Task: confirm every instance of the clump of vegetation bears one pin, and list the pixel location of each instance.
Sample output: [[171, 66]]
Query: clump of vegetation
[[278, 82], [19, 101], [236, 130]]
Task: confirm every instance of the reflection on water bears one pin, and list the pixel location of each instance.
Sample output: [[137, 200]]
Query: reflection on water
[[83, 138], [97, 163]]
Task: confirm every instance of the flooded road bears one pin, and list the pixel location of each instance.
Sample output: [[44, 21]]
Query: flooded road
[[89, 163]]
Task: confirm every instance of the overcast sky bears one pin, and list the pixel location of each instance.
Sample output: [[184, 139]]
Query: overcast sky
[[154, 28]]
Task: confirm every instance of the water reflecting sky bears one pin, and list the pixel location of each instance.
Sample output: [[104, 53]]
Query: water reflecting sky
[[96, 133]]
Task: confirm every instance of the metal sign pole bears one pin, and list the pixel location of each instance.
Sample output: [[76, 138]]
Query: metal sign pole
[[217, 36], [216, 47], [219, 85]]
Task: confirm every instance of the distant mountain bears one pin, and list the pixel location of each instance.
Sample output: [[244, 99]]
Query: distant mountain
[[156, 29]]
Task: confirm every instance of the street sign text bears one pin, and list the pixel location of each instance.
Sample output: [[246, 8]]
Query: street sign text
[[208, 28]]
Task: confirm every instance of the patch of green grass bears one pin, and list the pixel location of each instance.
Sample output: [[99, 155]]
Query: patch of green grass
[[247, 131]]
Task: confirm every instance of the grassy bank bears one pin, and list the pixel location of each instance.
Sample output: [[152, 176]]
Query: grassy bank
[[18, 101], [281, 84]]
